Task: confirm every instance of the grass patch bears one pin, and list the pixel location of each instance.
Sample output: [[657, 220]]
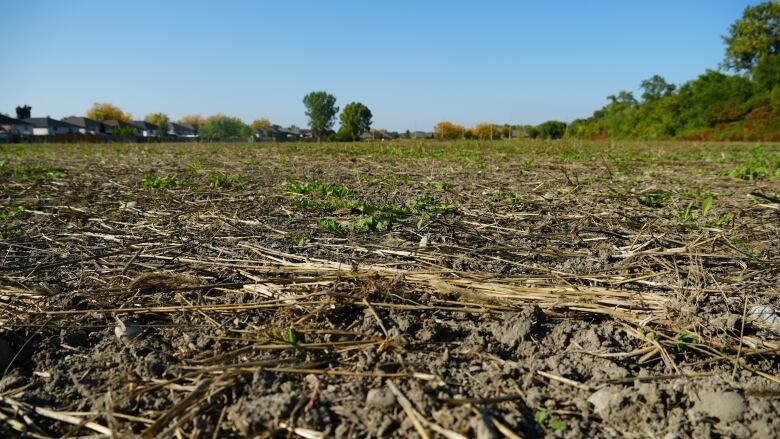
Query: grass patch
[[32, 172], [329, 190]]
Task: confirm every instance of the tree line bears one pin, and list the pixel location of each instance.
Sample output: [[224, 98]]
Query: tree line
[[740, 101]]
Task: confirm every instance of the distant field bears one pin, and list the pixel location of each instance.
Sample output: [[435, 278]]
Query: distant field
[[390, 288]]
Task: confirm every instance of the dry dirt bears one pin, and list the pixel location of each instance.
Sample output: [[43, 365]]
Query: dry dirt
[[502, 289]]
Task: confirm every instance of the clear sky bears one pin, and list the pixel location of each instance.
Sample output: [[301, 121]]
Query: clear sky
[[413, 63]]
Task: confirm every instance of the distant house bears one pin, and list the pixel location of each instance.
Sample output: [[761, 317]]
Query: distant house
[[306, 133], [278, 133], [146, 129], [422, 135], [46, 126], [182, 131], [88, 126], [15, 127]]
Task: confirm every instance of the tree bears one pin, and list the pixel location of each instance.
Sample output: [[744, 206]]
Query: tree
[[161, 120], [106, 111], [23, 112], [482, 131], [552, 129], [355, 120], [221, 127], [656, 88], [753, 37], [195, 120], [448, 130], [321, 110], [261, 123]]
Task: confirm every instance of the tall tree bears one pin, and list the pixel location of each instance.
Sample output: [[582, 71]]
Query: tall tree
[[161, 120], [753, 37], [23, 112], [321, 110], [106, 111], [355, 120], [656, 88]]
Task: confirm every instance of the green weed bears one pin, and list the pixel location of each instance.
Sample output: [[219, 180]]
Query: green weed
[[290, 336], [5, 220], [33, 172], [225, 181], [329, 190], [654, 198], [684, 339], [331, 225], [152, 181]]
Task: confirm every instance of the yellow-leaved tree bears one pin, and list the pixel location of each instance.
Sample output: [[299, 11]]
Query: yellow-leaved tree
[[448, 130], [195, 120], [107, 111]]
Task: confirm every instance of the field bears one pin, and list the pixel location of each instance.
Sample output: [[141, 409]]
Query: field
[[396, 289]]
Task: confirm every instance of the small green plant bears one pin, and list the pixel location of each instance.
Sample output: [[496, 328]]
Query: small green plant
[[225, 181], [196, 167], [290, 336], [299, 240], [375, 223], [152, 181], [746, 248], [5, 217], [331, 225], [684, 339], [541, 417], [512, 198], [557, 424], [723, 220], [654, 198]]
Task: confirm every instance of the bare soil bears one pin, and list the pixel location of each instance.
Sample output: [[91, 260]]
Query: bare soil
[[504, 289]]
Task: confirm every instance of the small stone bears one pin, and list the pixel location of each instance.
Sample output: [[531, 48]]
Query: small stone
[[600, 400], [765, 316], [126, 332], [725, 406], [380, 398]]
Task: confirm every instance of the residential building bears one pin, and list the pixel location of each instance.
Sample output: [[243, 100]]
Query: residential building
[[15, 127], [145, 128], [46, 126], [182, 131], [88, 126]]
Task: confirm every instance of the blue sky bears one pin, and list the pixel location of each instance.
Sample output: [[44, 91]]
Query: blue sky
[[413, 63]]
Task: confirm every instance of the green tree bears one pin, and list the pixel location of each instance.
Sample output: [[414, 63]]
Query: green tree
[[355, 120], [753, 37], [23, 112], [321, 110], [552, 129], [656, 88], [161, 120], [221, 127]]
